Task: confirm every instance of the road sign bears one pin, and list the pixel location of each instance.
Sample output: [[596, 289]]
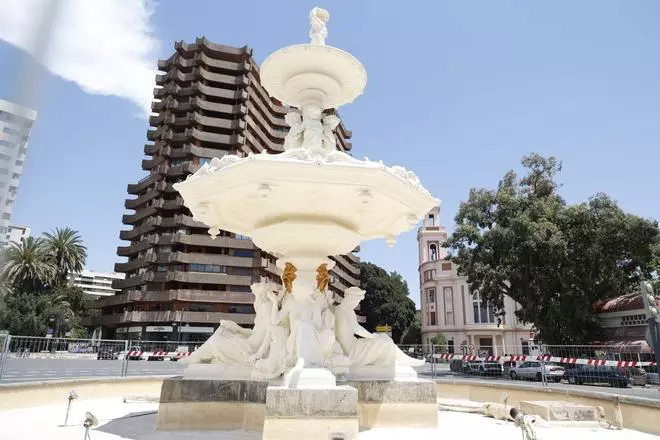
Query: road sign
[[383, 328]]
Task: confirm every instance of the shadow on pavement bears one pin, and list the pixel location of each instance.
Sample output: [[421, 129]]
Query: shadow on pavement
[[132, 425]]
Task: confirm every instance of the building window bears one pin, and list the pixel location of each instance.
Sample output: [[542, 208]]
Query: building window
[[433, 252], [246, 253], [448, 296], [525, 348], [208, 268], [430, 294], [197, 307], [429, 274], [433, 322], [233, 308], [484, 312]]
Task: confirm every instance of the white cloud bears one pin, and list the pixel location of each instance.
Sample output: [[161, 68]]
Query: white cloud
[[104, 46]]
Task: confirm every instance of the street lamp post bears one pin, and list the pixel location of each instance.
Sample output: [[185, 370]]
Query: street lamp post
[[652, 318]]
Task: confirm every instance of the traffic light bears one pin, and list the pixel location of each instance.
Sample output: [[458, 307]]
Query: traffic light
[[650, 306]]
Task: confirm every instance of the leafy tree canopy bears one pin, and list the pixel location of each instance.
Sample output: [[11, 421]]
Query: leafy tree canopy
[[413, 334], [35, 292], [386, 301], [523, 240]]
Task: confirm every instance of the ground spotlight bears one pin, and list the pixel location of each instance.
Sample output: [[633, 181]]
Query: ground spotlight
[[525, 422], [72, 396], [90, 421]]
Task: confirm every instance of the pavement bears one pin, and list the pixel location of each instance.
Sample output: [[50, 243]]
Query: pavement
[[137, 421], [33, 370]]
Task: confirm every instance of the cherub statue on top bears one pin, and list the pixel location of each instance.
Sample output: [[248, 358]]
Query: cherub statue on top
[[318, 32]]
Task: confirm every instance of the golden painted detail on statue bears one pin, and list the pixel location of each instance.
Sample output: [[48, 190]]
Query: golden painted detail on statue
[[288, 276], [322, 277]]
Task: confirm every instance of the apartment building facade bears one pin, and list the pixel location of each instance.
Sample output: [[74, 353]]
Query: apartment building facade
[[15, 125], [469, 324]]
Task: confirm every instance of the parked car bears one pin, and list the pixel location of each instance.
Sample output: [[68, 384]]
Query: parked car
[[106, 353], [638, 376], [486, 368], [459, 366], [534, 370], [589, 374]]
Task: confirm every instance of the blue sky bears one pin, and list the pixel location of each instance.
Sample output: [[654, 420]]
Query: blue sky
[[458, 91]]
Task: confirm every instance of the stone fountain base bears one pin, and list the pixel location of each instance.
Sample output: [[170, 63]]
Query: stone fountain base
[[287, 413]]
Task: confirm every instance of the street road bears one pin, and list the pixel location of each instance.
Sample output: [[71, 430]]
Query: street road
[[35, 370]]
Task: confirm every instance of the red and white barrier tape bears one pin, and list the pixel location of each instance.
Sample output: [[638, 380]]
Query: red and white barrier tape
[[546, 358]]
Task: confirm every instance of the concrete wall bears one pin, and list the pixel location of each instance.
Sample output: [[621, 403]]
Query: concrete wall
[[639, 414], [14, 396]]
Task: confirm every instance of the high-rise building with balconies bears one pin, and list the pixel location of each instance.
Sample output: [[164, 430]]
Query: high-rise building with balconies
[[179, 282], [15, 125]]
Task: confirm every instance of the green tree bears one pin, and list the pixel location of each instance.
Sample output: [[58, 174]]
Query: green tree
[[66, 249], [386, 301], [556, 260], [413, 334], [79, 333], [26, 265], [439, 339], [20, 314], [35, 286]]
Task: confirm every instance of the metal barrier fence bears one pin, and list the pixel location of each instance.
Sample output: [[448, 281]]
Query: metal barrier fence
[[25, 359], [617, 366]]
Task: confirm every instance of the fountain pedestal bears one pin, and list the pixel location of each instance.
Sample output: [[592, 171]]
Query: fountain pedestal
[[292, 413]]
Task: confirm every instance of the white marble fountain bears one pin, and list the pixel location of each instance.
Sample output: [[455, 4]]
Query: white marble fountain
[[303, 205]]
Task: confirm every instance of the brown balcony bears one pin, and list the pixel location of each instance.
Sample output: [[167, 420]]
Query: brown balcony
[[227, 109], [173, 204], [148, 164], [178, 170], [348, 265], [227, 66], [172, 316], [231, 80], [139, 215], [202, 258], [151, 149], [128, 282], [136, 232], [134, 203], [137, 263], [185, 295], [345, 277], [206, 240], [201, 278], [143, 183], [134, 248]]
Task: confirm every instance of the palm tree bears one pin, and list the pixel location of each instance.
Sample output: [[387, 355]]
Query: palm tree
[[67, 252], [27, 264]]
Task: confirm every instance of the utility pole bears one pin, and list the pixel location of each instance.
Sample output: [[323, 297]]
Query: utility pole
[[652, 318]]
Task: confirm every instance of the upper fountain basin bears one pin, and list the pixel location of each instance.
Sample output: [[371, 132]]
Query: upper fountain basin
[[312, 74], [296, 203]]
